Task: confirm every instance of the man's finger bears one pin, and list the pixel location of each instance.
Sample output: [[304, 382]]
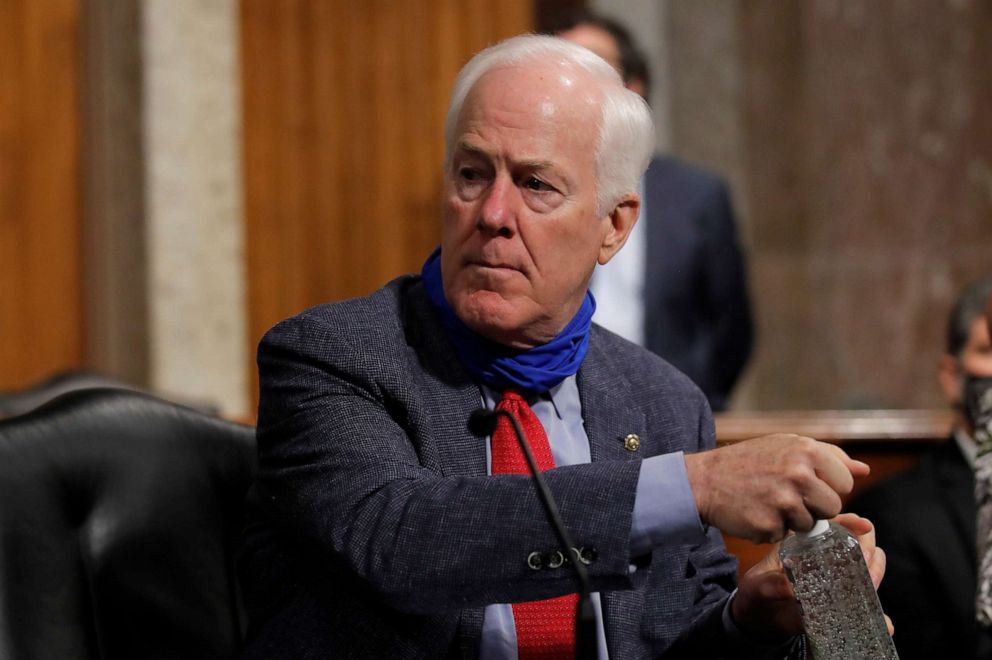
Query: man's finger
[[838, 469], [876, 566], [856, 524], [822, 502]]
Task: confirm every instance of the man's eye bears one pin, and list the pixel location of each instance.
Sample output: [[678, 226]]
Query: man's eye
[[468, 174], [535, 184]]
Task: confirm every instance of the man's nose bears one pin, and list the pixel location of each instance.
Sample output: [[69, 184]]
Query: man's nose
[[498, 212]]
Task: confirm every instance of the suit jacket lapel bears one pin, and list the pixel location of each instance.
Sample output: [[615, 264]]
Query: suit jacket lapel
[[955, 480], [606, 406], [448, 393], [449, 396], [609, 417]]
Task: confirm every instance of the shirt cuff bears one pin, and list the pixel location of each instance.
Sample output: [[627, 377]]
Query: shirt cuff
[[664, 507]]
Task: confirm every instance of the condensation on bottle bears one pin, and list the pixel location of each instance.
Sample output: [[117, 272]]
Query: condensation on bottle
[[841, 613]]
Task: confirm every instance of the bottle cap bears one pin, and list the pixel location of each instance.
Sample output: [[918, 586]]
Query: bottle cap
[[819, 528]]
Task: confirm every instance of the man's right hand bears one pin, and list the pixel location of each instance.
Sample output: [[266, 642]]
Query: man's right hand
[[759, 489]]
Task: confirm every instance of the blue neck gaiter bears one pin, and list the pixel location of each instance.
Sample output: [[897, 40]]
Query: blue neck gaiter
[[535, 370]]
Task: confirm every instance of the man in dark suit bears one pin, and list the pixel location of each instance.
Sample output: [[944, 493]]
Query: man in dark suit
[[925, 517], [679, 288], [381, 528]]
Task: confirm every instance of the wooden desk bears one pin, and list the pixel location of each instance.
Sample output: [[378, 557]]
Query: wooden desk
[[888, 440]]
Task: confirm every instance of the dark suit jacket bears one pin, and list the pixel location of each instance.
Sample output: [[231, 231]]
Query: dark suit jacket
[[377, 534], [697, 313], [925, 521]]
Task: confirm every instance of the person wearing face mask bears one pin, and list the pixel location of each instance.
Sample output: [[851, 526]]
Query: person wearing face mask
[[926, 517]]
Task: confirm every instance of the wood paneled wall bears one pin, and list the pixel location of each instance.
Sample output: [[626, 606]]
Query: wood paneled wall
[[344, 104], [40, 288]]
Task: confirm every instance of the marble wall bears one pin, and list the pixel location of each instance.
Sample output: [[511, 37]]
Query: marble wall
[[194, 215], [868, 182], [853, 137], [163, 217]]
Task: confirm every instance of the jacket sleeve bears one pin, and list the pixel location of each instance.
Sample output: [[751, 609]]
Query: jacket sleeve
[[707, 634]]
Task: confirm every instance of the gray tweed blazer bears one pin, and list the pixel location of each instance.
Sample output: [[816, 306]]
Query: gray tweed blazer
[[374, 531]]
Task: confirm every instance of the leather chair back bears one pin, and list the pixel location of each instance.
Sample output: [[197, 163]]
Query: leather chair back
[[119, 521]]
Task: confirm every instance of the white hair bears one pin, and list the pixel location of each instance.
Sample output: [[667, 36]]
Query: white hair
[[626, 132]]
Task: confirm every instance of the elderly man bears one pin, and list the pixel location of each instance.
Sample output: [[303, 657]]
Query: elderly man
[[383, 529]]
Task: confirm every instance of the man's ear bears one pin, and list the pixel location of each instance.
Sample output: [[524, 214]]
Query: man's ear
[[949, 375], [621, 219], [637, 86]]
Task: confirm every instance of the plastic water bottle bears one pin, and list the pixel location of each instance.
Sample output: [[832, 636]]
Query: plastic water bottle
[[841, 612]]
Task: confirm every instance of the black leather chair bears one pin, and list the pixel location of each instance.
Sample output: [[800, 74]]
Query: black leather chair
[[119, 520], [20, 401]]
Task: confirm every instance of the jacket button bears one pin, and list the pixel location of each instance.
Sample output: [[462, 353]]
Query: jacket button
[[535, 561], [587, 555], [632, 442], [556, 559]]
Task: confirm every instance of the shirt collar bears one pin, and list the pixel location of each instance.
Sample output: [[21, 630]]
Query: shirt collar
[[559, 395]]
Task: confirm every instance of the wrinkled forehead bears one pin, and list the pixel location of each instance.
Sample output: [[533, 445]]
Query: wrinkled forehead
[[556, 91]]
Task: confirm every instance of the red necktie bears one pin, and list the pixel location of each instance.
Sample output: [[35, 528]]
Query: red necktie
[[545, 628]]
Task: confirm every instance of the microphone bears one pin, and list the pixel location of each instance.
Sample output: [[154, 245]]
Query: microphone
[[483, 422]]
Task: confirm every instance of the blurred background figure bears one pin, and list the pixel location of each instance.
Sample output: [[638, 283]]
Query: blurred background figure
[[925, 518], [988, 314], [678, 287]]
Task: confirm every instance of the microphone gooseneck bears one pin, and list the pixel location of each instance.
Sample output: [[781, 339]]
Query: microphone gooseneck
[[483, 422]]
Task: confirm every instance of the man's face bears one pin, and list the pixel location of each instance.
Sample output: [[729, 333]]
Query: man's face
[[975, 359], [598, 41], [521, 233]]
